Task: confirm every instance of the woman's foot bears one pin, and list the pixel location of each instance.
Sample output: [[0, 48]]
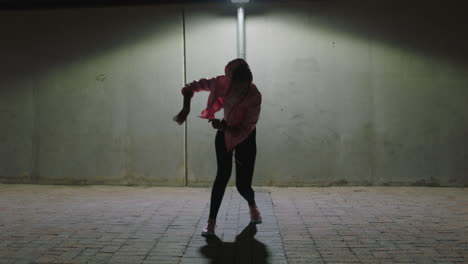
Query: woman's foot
[[255, 216], [209, 229]]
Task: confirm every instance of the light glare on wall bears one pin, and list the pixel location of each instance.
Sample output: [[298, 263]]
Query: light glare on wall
[[239, 1]]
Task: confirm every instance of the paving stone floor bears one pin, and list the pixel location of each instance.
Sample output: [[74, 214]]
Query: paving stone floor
[[120, 224]]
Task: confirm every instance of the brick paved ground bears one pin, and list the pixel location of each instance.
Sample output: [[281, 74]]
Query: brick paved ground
[[117, 224]]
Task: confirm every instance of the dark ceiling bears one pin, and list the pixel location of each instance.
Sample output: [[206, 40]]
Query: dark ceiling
[[15, 4]]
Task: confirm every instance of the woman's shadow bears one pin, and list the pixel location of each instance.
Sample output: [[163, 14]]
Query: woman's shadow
[[245, 249]]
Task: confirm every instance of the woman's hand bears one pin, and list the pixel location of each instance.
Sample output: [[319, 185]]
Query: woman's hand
[[181, 116], [218, 124], [222, 126]]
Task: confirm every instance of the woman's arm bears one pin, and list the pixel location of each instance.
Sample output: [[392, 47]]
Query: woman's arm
[[188, 91], [200, 85], [186, 105]]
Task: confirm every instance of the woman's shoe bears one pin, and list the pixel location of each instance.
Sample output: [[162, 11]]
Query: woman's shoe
[[255, 216], [209, 229]]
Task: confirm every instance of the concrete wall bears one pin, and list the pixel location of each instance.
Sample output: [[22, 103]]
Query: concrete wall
[[361, 94], [358, 93], [89, 95]]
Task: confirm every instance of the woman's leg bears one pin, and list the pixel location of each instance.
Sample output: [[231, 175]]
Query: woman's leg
[[224, 161], [245, 154]]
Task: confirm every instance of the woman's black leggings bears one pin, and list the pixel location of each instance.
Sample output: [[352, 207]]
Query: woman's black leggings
[[244, 153]]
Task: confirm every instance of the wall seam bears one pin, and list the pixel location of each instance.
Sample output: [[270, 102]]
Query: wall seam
[[34, 177], [185, 83]]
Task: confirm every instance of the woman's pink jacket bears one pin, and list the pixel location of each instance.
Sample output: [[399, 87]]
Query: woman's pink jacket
[[244, 114]]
